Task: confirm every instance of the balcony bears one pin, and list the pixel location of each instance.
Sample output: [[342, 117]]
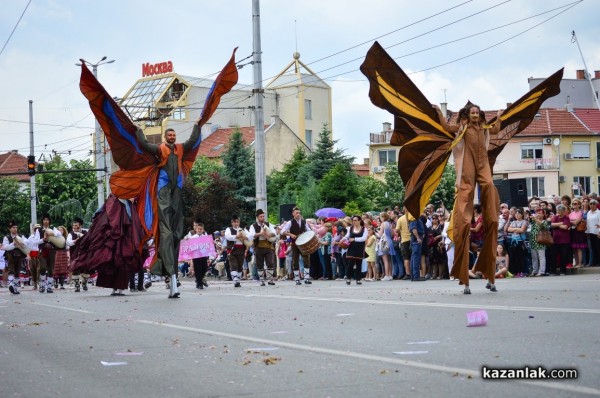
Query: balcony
[[526, 164], [381, 138]]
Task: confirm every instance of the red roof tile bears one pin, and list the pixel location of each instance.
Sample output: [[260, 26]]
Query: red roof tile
[[590, 117], [361, 170], [214, 145], [12, 162]]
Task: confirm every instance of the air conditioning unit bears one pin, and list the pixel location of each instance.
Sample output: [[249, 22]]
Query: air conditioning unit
[[561, 179], [378, 169], [568, 156], [547, 141]]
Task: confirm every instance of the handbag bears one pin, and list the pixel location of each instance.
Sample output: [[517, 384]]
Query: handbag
[[581, 226], [383, 245], [544, 237]]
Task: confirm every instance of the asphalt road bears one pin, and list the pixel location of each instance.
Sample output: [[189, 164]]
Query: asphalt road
[[381, 339]]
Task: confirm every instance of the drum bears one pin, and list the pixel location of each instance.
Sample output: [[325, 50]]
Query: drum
[[307, 243]]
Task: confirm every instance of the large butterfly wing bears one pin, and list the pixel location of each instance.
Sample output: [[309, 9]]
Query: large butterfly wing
[[521, 113], [224, 82], [118, 128], [417, 127]]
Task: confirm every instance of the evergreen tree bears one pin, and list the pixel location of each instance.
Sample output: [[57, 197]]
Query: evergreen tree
[[338, 186], [14, 206], [238, 161], [324, 157], [394, 187]]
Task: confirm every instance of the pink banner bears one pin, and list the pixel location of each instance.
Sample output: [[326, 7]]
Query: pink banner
[[200, 246]]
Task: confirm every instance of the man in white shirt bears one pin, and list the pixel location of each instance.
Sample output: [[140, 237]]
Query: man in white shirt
[[236, 249], [15, 247], [263, 235]]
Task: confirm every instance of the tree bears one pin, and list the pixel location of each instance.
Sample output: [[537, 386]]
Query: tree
[[203, 170], [324, 157], [213, 204], [309, 199], [283, 187], [14, 205], [238, 161], [395, 191], [371, 194], [445, 191], [338, 186], [66, 195]]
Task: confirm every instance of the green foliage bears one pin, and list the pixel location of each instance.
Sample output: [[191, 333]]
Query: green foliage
[[394, 186], [213, 204], [371, 194], [284, 186], [201, 173], [14, 205], [445, 191], [325, 157], [309, 199], [238, 162], [352, 208], [65, 195], [338, 186]]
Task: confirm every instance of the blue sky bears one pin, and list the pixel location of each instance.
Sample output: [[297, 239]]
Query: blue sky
[[198, 36]]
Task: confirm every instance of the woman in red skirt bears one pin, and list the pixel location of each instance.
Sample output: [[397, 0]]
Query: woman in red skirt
[[61, 263]]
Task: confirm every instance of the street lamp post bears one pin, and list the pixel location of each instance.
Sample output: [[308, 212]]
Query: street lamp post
[[99, 156]]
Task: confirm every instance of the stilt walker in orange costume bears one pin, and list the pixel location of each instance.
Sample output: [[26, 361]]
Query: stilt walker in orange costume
[[427, 140], [153, 174]]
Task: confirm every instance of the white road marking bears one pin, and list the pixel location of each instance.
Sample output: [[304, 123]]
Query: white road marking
[[62, 308], [423, 304], [564, 386]]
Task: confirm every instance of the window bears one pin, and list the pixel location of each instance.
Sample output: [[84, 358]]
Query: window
[[178, 114], [535, 187], [307, 109], [580, 150], [531, 151], [387, 156], [308, 138], [597, 157], [585, 184]]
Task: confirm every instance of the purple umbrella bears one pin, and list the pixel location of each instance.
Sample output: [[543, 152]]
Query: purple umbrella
[[330, 212]]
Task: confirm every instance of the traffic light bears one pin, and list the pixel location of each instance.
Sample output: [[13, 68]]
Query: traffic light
[[31, 165]]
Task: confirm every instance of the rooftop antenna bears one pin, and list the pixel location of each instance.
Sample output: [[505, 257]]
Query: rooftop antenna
[[574, 40], [296, 33]]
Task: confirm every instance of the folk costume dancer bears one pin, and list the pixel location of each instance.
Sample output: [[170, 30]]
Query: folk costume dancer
[[473, 166], [47, 254], [200, 264], [34, 255], [61, 262], [236, 250], [15, 247], [294, 228], [263, 235], [79, 278]]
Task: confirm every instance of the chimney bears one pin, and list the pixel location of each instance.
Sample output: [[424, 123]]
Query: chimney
[[580, 74], [597, 74], [444, 108], [387, 126], [366, 161], [508, 105]]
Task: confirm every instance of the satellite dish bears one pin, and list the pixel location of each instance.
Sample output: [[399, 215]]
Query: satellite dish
[[556, 142]]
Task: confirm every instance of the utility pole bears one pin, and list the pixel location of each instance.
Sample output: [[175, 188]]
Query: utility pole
[[33, 197], [259, 128], [99, 156], [587, 75]]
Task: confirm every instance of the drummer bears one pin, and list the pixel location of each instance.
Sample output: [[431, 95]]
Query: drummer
[[294, 228], [15, 249]]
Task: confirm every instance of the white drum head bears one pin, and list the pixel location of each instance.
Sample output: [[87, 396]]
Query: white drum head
[[305, 237]]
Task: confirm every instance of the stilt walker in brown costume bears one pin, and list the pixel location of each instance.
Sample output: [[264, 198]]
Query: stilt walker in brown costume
[[427, 139]]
